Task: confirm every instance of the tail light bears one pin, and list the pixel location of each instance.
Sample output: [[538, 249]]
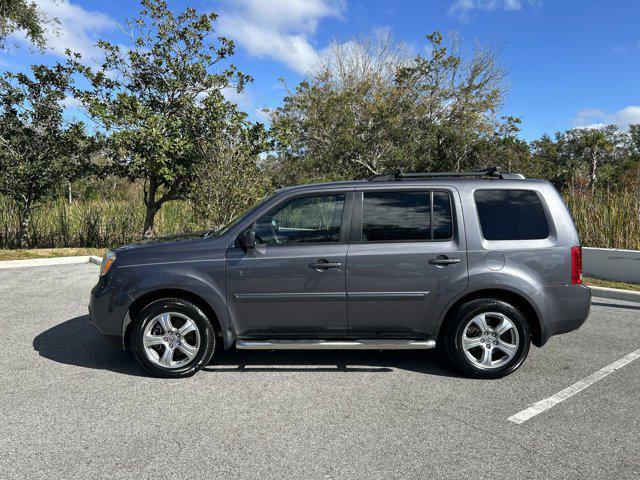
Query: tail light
[[576, 265]]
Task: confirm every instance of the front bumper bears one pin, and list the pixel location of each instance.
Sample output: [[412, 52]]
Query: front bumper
[[107, 315]]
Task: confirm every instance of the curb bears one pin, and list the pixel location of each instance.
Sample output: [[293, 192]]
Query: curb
[[44, 262], [615, 294]]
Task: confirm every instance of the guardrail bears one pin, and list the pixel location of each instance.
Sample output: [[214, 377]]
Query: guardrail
[[611, 264]]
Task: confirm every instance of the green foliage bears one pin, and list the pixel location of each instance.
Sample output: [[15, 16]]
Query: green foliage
[[588, 158], [38, 149], [162, 103], [22, 15], [383, 113], [228, 181], [171, 153]]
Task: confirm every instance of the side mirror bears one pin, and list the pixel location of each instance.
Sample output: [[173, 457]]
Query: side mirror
[[247, 239]]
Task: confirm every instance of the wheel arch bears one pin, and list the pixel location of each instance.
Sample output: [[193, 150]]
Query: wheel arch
[[141, 302], [513, 298]]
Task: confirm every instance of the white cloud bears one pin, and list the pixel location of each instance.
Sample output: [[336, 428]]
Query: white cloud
[[244, 99], [71, 102], [278, 29], [78, 29], [464, 8], [594, 118]]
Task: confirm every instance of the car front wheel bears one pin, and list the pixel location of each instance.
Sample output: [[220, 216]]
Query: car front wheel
[[487, 338], [172, 337]]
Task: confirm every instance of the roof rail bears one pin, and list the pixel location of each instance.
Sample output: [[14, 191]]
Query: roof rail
[[492, 172]]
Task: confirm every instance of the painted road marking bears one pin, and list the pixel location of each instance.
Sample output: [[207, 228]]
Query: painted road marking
[[568, 392]]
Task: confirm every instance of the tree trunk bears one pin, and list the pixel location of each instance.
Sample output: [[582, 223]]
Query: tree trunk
[[69, 193], [25, 219], [149, 218], [592, 173], [152, 207], [592, 169]]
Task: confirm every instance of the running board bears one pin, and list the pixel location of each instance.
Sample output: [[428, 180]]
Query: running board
[[372, 344]]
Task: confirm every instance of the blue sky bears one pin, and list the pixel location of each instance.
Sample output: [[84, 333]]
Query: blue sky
[[571, 63]]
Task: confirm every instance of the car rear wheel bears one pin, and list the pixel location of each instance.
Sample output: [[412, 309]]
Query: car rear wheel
[[487, 338], [172, 338]]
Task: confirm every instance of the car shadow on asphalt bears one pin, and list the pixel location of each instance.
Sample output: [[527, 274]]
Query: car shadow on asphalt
[[76, 342], [355, 361]]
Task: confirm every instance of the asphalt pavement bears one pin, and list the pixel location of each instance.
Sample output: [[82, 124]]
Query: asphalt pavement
[[71, 406]]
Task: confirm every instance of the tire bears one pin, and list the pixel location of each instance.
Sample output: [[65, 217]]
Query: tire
[[172, 338], [482, 351]]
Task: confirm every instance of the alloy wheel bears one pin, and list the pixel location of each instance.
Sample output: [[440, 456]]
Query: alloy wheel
[[171, 340], [490, 340]]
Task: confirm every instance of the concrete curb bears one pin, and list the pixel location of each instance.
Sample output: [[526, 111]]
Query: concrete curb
[[44, 262], [615, 294]]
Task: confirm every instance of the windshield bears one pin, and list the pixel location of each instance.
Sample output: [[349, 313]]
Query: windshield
[[225, 228]]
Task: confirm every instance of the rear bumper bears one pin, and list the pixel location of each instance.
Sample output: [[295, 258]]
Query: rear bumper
[[568, 308]]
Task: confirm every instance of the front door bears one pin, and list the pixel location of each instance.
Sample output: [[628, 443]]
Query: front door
[[292, 284], [407, 260]]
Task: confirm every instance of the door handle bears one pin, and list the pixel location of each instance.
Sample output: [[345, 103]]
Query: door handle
[[322, 264], [443, 260]]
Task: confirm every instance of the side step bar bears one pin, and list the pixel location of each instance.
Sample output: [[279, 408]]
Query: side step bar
[[373, 344]]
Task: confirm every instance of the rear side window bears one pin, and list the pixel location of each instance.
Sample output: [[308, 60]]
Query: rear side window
[[406, 216], [442, 224], [511, 215]]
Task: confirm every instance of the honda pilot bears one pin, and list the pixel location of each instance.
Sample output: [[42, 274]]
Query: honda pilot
[[480, 264]]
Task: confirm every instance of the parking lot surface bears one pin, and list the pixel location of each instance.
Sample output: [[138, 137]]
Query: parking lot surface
[[71, 406]]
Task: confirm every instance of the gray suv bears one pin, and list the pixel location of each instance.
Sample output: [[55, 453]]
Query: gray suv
[[481, 264]]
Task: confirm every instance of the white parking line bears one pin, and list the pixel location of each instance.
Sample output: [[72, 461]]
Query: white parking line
[[568, 392]]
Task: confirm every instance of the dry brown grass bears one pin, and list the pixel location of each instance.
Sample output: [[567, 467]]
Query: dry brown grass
[[48, 253]]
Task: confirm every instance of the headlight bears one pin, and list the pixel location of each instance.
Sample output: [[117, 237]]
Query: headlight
[[107, 262]]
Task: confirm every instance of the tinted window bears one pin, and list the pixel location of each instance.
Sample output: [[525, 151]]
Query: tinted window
[[442, 224], [511, 215], [389, 216], [305, 219]]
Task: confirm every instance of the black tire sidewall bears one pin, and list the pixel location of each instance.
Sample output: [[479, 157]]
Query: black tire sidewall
[[453, 337], [207, 337]]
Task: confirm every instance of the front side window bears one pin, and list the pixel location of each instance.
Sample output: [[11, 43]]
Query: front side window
[[511, 215], [406, 216], [309, 219]]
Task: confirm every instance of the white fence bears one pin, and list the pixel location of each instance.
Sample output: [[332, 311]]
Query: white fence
[[611, 264]]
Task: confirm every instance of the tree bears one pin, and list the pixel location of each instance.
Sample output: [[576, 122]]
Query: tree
[[228, 181], [161, 99], [369, 108], [22, 15], [38, 149], [451, 104], [592, 145]]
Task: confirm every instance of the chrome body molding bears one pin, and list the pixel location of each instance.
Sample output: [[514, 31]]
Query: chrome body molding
[[367, 344]]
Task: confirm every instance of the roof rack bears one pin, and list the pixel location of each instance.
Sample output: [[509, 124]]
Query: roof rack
[[492, 172]]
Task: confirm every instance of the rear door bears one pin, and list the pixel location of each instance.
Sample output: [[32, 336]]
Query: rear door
[[407, 259]]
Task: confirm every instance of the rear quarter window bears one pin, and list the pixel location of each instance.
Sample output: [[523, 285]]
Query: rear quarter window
[[511, 215]]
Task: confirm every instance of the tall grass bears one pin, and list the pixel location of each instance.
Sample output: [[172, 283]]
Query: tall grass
[[93, 223], [608, 220]]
